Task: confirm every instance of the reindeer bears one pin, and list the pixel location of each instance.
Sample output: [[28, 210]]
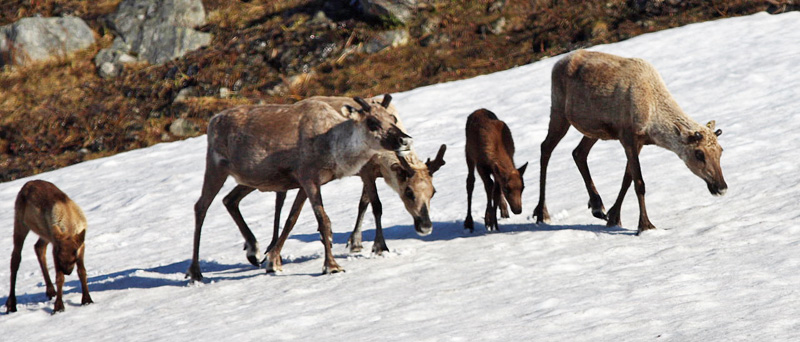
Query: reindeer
[[282, 147], [44, 209], [613, 98], [490, 149], [408, 176]]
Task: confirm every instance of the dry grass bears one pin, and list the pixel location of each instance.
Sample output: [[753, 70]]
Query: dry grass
[[60, 112]]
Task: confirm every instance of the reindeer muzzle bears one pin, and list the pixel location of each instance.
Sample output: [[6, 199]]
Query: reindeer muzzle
[[422, 223], [399, 141], [717, 189]]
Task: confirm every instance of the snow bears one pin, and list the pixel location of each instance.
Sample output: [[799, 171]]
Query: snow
[[718, 268]]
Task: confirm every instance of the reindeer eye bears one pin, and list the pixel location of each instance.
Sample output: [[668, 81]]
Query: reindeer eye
[[373, 124], [409, 194], [700, 155]]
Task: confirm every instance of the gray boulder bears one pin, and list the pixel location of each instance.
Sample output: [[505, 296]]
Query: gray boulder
[[35, 39], [156, 31], [387, 39], [399, 10]]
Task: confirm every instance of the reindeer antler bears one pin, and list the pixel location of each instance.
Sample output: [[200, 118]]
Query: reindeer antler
[[386, 99], [364, 105], [434, 165]]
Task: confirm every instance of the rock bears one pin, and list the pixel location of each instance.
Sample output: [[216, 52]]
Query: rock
[[224, 93], [430, 25], [108, 70], [155, 31], [35, 39], [498, 26], [434, 39], [387, 39], [183, 128], [495, 6], [389, 10], [184, 94]]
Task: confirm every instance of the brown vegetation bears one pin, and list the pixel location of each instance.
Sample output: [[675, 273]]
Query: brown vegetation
[[58, 113]]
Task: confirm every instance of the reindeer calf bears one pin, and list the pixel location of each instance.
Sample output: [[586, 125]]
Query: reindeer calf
[[44, 209], [490, 149]]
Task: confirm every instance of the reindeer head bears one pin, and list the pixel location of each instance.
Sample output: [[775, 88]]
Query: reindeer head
[[379, 124], [415, 185], [511, 185], [701, 153], [67, 249]]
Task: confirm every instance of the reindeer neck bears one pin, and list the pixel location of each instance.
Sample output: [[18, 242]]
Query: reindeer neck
[[662, 129], [349, 148]]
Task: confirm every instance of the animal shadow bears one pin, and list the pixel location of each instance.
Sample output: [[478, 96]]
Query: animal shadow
[[144, 278]]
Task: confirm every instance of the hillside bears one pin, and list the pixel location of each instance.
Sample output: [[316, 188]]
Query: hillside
[[717, 269], [277, 51]]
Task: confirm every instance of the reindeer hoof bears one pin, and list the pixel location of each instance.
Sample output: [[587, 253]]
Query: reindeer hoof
[[254, 261], [51, 293], [332, 270], [194, 273], [468, 224], [378, 249], [541, 214], [274, 266], [11, 305], [87, 302]]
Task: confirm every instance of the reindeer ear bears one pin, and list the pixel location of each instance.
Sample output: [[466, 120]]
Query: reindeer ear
[[522, 169], [350, 112], [697, 136], [402, 173], [80, 237], [718, 132], [711, 124]]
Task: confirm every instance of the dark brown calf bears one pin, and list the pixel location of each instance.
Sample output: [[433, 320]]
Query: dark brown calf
[[490, 149]]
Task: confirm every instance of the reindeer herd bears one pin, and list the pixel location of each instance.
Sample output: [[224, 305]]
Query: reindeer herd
[[314, 141]]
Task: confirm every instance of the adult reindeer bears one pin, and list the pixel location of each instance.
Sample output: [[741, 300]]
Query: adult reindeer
[[613, 98], [407, 175], [44, 209], [490, 149], [413, 180], [282, 147]]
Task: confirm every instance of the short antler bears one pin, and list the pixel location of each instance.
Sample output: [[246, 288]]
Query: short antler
[[364, 105], [386, 100], [434, 165]]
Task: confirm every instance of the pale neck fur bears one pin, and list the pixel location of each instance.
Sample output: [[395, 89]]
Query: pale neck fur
[[350, 148], [662, 126]]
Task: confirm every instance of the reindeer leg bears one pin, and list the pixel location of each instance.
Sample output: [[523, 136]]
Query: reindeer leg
[[274, 263], [85, 299], [580, 154], [280, 197], [312, 189], [231, 202], [556, 131], [613, 217], [59, 305], [632, 148], [213, 180], [468, 224], [489, 219], [379, 245], [20, 232], [498, 199], [41, 252], [355, 241], [503, 206]]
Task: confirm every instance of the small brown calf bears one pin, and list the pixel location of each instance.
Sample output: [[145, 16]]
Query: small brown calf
[[44, 209], [490, 149]]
